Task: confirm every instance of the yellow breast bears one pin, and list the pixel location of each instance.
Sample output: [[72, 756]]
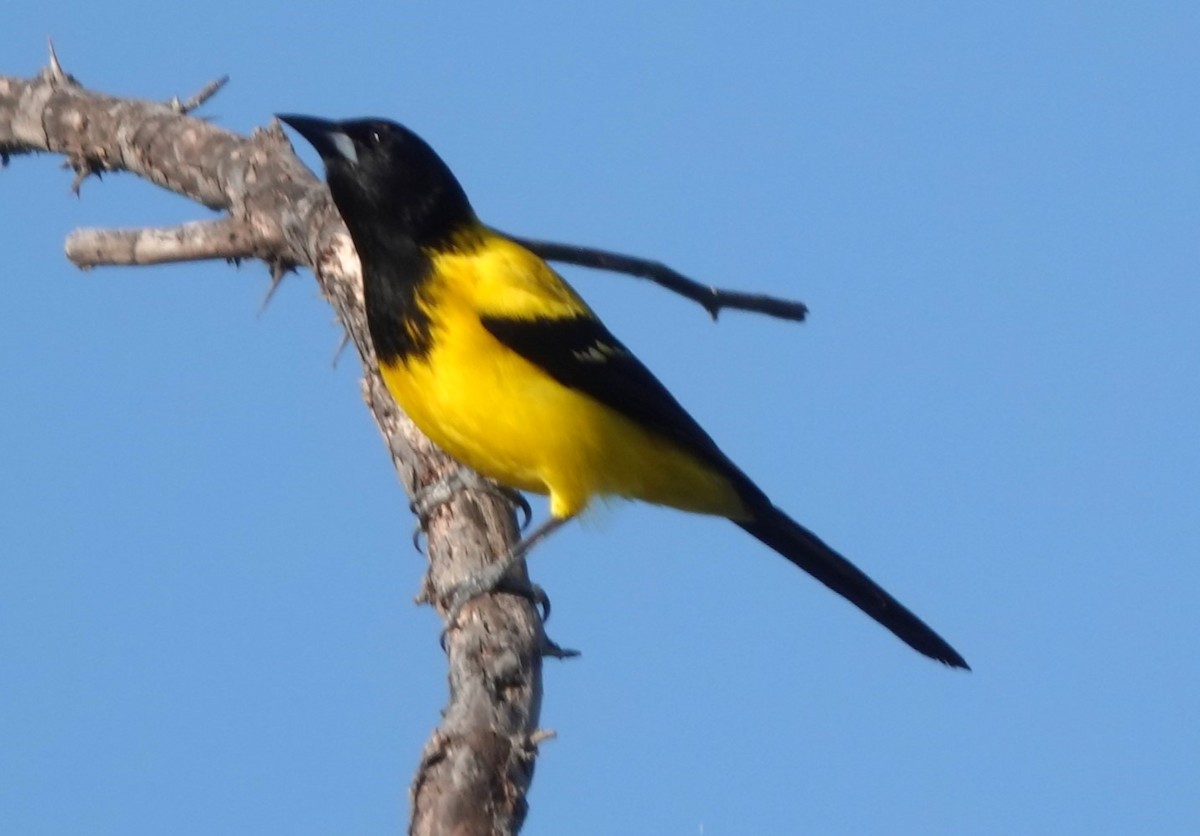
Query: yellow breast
[[497, 413]]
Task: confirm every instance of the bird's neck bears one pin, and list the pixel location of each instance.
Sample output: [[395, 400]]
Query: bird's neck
[[392, 277]]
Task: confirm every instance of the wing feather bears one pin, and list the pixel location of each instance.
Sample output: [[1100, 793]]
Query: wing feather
[[579, 352]]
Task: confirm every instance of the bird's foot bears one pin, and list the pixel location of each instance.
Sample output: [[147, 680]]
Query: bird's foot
[[473, 588], [495, 578], [429, 498]]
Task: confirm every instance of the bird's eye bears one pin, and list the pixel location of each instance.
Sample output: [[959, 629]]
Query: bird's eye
[[374, 138]]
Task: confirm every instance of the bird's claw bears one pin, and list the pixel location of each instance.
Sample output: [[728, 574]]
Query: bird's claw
[[473, 588], [428, 498]]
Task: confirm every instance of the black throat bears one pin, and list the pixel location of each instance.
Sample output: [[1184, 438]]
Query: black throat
[[395, 234], [393, 277]]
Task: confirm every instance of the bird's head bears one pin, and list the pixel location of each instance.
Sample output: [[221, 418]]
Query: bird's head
[[378, 170]]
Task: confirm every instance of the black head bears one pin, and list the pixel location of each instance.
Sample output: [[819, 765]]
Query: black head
[[386, 180]]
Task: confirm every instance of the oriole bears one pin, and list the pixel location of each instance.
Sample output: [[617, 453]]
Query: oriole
[[502, 364]]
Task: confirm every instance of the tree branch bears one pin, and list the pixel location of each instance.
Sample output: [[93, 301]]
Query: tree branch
[[477, 767], [196, 241], [711, 298]]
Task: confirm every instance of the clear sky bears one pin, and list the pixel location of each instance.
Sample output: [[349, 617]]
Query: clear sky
[[992, 209]]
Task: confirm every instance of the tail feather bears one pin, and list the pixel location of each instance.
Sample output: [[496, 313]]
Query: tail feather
[[806, 550]]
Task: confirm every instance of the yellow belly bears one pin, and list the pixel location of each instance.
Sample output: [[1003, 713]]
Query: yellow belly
[[495, 412]]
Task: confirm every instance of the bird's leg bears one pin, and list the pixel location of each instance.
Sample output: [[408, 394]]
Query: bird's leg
[[427, 499], [493, 576]]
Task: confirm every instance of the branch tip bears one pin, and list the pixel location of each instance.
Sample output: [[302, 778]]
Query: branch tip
[[84, 168], [337, 355], [712, 299], [539, 736], [279, 268], [55, 72], [206, 92], [553, 650]]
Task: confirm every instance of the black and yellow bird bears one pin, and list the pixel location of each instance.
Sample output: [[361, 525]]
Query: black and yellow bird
[[501, 363]]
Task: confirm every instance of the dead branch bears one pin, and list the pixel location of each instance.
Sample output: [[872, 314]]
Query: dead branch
[[196, 241], [712, 299], [477, 767]]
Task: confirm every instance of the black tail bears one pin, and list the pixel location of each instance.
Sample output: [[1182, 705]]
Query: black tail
[[805, 549]]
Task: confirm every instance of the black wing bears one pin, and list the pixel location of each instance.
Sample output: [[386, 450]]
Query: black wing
[[579, 352]]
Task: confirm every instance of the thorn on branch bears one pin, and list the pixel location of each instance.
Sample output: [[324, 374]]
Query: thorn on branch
[[279, 269], [207, 92], [337, 354], [552, 650], [56, 70], [55, 73], [272, 135], [427, 594], [84, 168]]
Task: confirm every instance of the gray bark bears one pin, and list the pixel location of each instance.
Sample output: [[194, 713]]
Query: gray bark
[[476, 769]]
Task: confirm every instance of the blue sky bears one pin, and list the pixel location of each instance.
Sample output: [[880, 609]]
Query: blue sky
[[205, 576]]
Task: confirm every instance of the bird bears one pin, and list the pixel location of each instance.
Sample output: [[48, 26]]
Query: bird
[[503, 366]]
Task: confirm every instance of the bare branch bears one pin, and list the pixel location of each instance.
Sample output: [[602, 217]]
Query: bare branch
[[196, 241], [713, 299], [278, 211]]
